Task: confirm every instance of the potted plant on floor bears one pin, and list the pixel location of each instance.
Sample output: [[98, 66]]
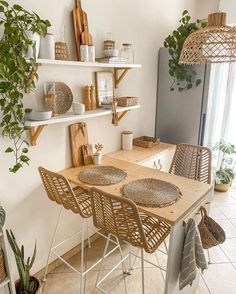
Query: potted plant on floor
[[225, 174], [27, 284]]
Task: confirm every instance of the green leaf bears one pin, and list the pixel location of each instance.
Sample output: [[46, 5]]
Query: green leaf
[[185, 12], [9, 150], [189, 86], [17, 7], [28, 110], [198, 82], [2, 216]]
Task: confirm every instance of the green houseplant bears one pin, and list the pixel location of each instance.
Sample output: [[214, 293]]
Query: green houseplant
[[225, 174], [2, 216], [17, 74], [184, 76], [26, 284]]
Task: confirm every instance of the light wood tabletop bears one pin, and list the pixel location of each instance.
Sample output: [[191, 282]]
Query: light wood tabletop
[[193, 192], [140, 154]]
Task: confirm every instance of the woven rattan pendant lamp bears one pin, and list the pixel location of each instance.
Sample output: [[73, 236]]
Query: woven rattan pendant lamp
[[215, 43]]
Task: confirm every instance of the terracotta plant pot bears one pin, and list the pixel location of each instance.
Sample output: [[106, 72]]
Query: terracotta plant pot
[[222, 187], [38, 289]]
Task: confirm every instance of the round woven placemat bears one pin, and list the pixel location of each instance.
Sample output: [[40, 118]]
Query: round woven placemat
[[152, 192], [102, 175]]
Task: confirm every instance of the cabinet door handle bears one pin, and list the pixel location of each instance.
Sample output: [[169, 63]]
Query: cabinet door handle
[[158, 165]]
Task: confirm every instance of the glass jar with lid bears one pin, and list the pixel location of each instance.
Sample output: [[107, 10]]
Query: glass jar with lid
[[127, 52]]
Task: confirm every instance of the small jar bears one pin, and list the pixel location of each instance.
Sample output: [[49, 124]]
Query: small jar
[[127, 52], [127, 140]]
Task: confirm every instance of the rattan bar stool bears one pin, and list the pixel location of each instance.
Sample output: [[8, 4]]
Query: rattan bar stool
[[119, 217], [77, 200], [193, 162]]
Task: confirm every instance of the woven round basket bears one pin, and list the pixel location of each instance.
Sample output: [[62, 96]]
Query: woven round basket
[[102, 175], [211, 233], [3, 273], [64, 97], [152, 192]]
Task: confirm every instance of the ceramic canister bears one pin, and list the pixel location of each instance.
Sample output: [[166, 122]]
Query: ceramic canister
[[47, 47], [84, 53], [35, 38], [127, 140]]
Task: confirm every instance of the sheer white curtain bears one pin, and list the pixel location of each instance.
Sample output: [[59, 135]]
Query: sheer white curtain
[[221, 112]]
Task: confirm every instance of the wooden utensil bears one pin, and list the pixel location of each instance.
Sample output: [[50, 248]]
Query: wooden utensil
[[87, 152], [77, 16], [78, 138], [86, 36]]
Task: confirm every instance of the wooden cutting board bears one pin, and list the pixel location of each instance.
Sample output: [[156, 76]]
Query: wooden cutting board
[[77, 17], [78, 138], [86, 36]]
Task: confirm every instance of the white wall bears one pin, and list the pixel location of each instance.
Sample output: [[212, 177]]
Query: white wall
[[143, 23], [229, 6]]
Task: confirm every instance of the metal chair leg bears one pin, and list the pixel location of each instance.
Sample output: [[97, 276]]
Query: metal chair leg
[[142, 265], [52, 243], [88, 235], [102, 262], [159, 266], [209, 256], [82, 288]]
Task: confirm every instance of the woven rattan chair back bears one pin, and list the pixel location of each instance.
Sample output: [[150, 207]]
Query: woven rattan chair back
[[193, 162], [58, 189], [118, 216]]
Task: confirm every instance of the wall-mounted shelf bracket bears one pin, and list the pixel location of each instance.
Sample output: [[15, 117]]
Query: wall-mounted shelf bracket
[[119, 78], [122, 115], [34, 134]]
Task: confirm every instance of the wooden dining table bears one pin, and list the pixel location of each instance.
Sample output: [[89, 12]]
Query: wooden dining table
[[194, 195]]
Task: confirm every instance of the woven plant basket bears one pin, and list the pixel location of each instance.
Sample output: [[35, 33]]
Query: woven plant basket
[[210, 231], [3, 273]]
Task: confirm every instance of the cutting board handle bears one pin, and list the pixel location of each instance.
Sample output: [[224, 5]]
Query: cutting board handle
[[78, 4]]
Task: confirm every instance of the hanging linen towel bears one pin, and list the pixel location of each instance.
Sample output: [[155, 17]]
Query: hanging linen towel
[[193, 255]]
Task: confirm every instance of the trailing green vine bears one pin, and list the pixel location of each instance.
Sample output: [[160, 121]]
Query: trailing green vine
[[184, 76], [16, 75]]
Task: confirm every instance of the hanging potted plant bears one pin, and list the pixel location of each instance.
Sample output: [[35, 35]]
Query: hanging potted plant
[[184, 76], [17, 74], [26, 284], [225, 174]]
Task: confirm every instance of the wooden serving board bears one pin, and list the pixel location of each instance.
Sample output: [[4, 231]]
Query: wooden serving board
[[78, 138]]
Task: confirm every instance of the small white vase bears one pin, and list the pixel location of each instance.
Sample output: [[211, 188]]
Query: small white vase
[[97, 158], [35, 38], [47, 47]]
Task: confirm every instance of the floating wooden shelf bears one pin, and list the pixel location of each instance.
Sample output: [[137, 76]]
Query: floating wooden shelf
[[37, 126], [87, 64]]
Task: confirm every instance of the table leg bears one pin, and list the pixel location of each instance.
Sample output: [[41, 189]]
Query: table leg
[[174, 262]]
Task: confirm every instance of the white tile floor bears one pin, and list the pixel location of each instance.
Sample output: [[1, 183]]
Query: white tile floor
[[219, 278]]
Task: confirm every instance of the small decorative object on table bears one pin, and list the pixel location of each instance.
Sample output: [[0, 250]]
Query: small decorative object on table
[[97, 156], [127, 101], [87, 152], [146, 142], [127, 140], [104, 88]]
